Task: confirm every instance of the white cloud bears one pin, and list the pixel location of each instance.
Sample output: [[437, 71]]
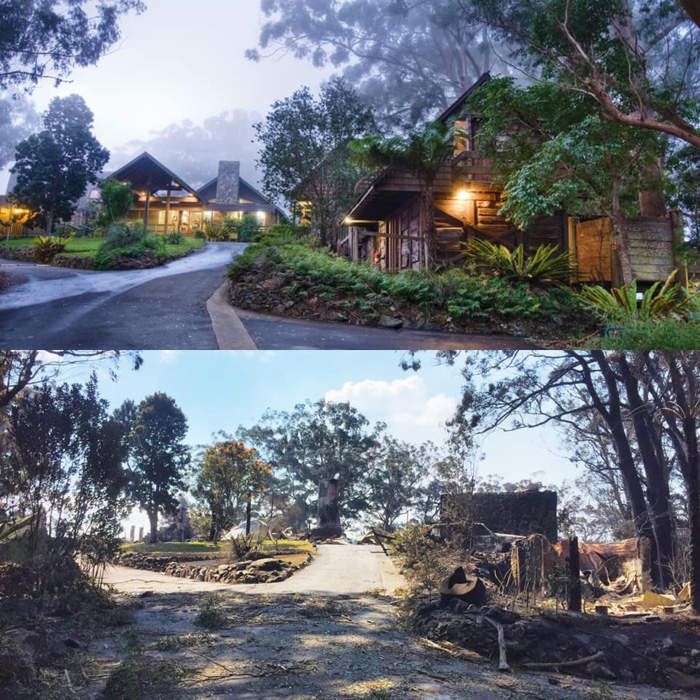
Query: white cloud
[[403, 404]]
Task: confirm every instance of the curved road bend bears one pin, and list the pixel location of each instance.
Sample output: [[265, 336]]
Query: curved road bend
[[166, 308], [341, 569], [161, 308]]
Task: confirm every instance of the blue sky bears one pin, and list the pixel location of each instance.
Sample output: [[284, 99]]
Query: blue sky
[[224, 390], [220, 390]]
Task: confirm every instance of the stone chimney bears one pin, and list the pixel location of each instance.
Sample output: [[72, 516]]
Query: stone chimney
[[228, 182]]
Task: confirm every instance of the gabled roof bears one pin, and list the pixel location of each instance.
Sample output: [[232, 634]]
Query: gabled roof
[[244, 183], [146, 171], [454, 108]]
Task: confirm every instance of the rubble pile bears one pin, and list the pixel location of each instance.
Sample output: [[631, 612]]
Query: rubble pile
[[651, 652]]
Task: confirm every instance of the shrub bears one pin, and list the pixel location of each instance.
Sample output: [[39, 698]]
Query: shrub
[[214, 231], [244, 547], [544, 267], [654, 334], [46, 247], [248, 227], [229, 228], [174, 238], [621, 302], [122, 235], [199, 233], [154, 244], [210, 615]]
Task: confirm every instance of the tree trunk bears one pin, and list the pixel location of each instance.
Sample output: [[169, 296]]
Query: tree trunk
[[653, 202], [686, 398], [621, 237], [658, 496], [693, 9], [49, 222], [633, 485], [428, 199], [153, 520]]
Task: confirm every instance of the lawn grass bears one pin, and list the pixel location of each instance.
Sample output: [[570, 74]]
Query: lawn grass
[[300, 546], [89, 247]]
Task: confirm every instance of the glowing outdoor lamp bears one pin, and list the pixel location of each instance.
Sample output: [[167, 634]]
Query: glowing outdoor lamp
[[464, 195]]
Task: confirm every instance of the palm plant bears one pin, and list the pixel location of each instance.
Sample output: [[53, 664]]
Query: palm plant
[[421, 153], [659, 300], [546, 266]]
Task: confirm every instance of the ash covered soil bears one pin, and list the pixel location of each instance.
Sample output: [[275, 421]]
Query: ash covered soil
[[304, 647]]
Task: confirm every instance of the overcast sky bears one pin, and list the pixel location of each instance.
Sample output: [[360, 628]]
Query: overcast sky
[[181, 61]]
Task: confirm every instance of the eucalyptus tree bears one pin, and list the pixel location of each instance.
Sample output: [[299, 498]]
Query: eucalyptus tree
[[315, 441], [46, 39], [407, 58]]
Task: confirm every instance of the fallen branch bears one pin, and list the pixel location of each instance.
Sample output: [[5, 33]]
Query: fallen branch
[[564, 664], [452, 650], [502, 660]]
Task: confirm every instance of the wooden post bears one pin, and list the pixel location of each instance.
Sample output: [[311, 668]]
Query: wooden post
[[167, 212], [247, 514], [147, 207], [678, 238], [574, 576]]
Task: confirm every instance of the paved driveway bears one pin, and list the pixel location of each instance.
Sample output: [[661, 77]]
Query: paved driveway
[[162, 308]]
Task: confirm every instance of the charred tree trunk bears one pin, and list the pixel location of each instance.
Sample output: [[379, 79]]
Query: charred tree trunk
[[153, 520], [658, 493], [574, 576], [687, 395]]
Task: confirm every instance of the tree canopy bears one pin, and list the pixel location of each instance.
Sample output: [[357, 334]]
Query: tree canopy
[[54, 167], [304, 152], [46, 39], [158, 455], [315, 441], [407, 59]]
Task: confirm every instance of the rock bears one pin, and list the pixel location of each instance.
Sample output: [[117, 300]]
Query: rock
[[390, 322], [266, 565], [337, 317], [279, 309]]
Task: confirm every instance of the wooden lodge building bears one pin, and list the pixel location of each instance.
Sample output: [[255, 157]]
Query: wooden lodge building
[[165, 202], [385, 225]]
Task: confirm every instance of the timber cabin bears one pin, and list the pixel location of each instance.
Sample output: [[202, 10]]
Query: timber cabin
[[386, 227], [164, 201]]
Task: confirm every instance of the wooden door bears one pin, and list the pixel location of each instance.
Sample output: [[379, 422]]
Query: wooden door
[[590, 243]]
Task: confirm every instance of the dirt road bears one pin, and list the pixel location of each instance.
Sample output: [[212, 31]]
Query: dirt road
[[323, 634]]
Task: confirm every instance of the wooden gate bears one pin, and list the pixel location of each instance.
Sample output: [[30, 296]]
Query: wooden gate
[[590, 241]]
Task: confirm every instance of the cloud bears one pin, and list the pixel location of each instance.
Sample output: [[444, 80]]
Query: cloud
[[403, 404], [168, 357]]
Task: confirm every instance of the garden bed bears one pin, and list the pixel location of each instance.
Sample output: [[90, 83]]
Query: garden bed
[[298, 281], [208, 562], [80, 254]]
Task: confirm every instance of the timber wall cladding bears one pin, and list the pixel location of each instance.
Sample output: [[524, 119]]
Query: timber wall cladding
[[651, 248]]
